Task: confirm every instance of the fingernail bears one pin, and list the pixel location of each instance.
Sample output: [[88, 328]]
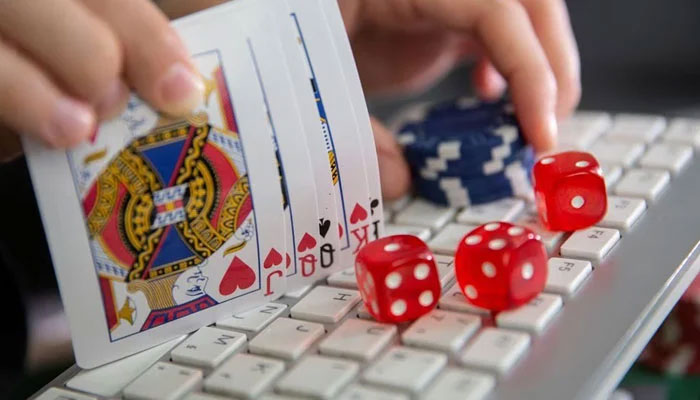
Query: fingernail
[[71, 122], [114, 101], [180, 89]]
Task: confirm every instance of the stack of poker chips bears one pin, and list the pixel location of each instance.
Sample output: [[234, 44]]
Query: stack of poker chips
[[465, 152]]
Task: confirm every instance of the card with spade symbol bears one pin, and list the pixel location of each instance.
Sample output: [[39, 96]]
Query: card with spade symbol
[[304, 240], [341, 42], [339, 131], [159, 226]]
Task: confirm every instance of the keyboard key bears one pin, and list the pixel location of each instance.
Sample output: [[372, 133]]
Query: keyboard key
[[591, 243], [318, 377], [623, 212], [441, 330], [62, 394], [446, 269], [454, 300], [398, 204], [326, 304], [109, 379], [254, 320], [502, 210], [244, 375], [426, 214], [611, 173], [646, 183], [345, 278], [286, 338], [296, 294], [616, 152], [582, 129], [273, 396], [359, 392], [419, 231], [446, 240], [495, 349], [405, 369], [683, 131], [164, 381], [637, 127], [566, 275], [202, 396], [208, 347], [668, 156], [459, 384], [533, 316], [358, 339], [550, 239]]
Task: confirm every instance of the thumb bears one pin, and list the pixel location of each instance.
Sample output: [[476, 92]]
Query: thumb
[[394, 173]]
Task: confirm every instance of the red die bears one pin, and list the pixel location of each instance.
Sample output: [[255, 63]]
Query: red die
[[501, 266], [570, 191], [397, 278]]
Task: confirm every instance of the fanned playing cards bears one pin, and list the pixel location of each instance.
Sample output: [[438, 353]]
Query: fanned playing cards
[[158, 226]]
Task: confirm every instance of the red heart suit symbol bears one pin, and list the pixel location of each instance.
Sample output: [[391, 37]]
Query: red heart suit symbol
[[273, 258], [238, 275], [307, 242], [288, 260], [358, 214]]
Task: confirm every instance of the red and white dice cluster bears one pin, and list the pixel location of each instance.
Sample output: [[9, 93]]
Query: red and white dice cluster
[[498, 265]]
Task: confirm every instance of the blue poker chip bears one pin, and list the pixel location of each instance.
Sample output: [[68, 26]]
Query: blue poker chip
[[466, 105], [470, 165], [467, 152]]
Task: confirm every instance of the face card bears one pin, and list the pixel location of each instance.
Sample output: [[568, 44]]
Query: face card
[[341, 42], [156, 225], [339, 127], [306, 243], [322, 161]]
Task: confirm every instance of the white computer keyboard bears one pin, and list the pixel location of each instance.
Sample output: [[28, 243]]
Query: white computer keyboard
[[320, 342]]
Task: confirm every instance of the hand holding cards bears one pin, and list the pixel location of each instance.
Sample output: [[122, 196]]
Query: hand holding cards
[[158, 226]]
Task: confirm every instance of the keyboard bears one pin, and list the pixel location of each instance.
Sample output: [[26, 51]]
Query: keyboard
[[609, 288]]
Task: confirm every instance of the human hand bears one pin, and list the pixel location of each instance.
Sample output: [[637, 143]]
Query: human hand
[[405, 45], [66, 64]]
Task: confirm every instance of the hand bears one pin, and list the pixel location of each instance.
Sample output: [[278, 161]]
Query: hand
[[404, 45], [66, 64]]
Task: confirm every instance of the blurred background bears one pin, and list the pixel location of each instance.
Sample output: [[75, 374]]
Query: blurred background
[[636, 56]]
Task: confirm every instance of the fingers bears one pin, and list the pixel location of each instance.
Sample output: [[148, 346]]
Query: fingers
[[489, 84], [159, 67], [32, 103], [503, 27], [394, 174], [550, 20], [62, 36]]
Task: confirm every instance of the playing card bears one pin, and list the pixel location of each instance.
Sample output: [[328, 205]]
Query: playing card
[[334, 21], [322, 162], [339, 131], [305, 242], [159, 226]]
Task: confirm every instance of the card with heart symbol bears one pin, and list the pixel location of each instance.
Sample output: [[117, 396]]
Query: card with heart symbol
[[339, 129], [301, 144], [158, 226]]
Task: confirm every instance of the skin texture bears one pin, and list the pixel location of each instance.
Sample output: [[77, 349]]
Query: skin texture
[[84, 56]]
